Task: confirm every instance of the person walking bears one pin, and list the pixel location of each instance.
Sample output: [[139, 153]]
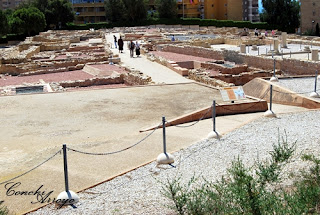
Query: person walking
[[131, 47], [137, 49], [120, 45], [115, 41]]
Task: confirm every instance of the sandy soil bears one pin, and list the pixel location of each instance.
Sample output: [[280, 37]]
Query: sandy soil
[[34, 127]]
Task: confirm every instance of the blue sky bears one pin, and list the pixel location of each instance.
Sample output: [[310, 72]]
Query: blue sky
[[260, 6]]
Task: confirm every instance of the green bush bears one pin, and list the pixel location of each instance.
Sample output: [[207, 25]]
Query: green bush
[[255, 190], [12, 37], [3, 40], [163, 21], [4, 210]]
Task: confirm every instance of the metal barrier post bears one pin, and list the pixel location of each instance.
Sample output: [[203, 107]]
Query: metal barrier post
[[270, 113], [266, 51], [65, 164], [274, 67], [164, 158], [315, 81], [258, 50], [214, 133], [214, 115], [164, 134], [290, 54], [274, 78], [270, 107], [315, 94], [66, 197]]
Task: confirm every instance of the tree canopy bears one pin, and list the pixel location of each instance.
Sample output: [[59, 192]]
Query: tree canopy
[[27, 20], [114, 10], [57, 12], [284, 14], [125, 10], [167, 8], [4, 26]]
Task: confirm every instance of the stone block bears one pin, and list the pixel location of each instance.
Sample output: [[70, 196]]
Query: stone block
[[243, 48], [315, 54], [276, 45], [284, 39], [114, 60]]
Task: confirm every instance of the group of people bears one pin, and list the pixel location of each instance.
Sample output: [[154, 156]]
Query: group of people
[[132, 46], [257, 33]]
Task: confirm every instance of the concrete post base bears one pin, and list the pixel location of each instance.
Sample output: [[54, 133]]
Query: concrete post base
[[269, 113], [67, 198], [314, 95], [274, 79], [165, 158], [213, 135]]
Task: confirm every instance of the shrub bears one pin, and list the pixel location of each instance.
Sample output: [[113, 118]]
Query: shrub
[[4, 210], [256, 190]]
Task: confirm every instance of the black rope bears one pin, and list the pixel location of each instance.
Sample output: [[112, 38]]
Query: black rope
[[118, 151], [185, 126], [32, 168]]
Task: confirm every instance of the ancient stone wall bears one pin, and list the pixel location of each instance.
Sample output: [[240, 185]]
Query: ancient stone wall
[[288, 66], [186, 64], [93, 81], [193, 50], [299, 67], [236, 69], [202, 77], [136, 78]]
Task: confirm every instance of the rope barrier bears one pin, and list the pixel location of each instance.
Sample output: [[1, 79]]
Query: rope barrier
[[176, 167], [115, 152], [32, 168], [293, 93], [186, 126]]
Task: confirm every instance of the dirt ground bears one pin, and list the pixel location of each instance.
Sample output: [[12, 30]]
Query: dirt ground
[[34, 127]]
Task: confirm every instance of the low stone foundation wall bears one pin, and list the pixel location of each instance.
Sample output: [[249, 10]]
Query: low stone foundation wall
[[93, 82], [234, 70], [202, 77], [136, 78], [288, 66], [243, 78]]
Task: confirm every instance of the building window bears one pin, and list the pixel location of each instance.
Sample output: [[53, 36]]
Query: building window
[[313, 13], [225, 5], [314, 4], [212, 5]]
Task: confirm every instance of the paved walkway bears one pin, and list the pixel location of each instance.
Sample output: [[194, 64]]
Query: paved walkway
[[158, 73]]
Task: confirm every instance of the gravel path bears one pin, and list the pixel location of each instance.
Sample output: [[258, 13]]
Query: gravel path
[[300, 85], [139, 191], [159, 73]]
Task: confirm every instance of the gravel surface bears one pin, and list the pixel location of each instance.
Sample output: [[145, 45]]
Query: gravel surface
[[300, 85], [139, 191]]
